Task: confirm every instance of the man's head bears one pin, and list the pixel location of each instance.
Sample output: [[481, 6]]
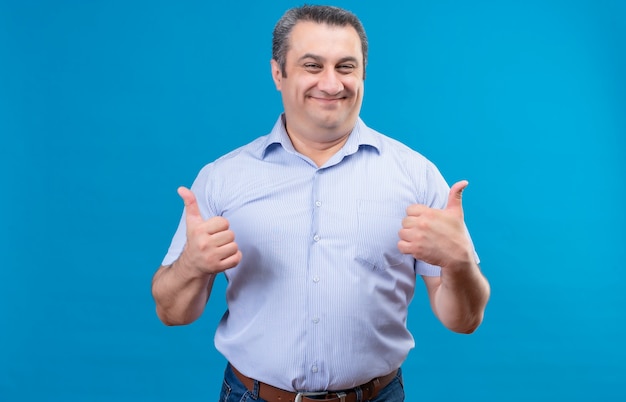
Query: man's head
[[328, 15], [319, 68]]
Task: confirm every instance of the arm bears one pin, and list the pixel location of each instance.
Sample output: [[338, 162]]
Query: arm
[[459, 300], [182, 289], [180, 294], [459, 296]]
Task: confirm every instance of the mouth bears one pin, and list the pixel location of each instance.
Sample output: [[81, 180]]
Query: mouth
[[327, 101]]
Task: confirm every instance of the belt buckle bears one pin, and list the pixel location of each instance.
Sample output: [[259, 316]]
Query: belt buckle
[[300, 395]]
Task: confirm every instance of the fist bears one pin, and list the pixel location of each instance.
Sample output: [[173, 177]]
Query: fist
[[211, 246], [437, 236]]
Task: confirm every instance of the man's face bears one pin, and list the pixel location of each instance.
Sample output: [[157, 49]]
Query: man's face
[[323, 87]]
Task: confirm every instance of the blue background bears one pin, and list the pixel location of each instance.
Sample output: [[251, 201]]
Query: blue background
[[106, 107]]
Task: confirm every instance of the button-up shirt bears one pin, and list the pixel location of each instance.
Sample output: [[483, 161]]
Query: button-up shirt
[[319, 300]]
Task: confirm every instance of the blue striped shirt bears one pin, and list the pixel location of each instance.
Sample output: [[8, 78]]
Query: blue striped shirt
[[319, 300]]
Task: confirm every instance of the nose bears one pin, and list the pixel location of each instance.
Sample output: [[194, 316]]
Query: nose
[[330, 82]]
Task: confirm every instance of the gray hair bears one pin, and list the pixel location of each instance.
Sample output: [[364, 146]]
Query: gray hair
[[329, 15]]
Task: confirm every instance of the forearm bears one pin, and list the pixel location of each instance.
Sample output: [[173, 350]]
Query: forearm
[[180, 293], [461, 298]]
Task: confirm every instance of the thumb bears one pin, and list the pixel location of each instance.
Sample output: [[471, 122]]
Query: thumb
[[191, 205], [456, 196]]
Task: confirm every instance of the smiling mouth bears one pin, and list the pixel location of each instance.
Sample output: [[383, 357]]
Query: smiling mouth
[[327, 100]]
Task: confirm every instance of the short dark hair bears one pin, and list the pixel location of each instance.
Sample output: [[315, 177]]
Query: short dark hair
[[320, 14]]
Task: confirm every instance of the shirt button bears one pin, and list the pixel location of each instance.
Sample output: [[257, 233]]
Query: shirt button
[[316, 320], [318, 203], [316, 237], [316, 279], [314, 369]]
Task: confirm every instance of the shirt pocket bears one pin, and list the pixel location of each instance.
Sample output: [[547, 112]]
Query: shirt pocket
[[377, 238]]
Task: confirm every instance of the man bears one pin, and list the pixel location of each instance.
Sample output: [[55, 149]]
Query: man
[[321, 228]]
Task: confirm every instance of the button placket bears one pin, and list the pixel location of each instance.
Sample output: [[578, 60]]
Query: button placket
[[315, 269]]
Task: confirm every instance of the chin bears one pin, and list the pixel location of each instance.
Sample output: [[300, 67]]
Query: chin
[[333, 121]]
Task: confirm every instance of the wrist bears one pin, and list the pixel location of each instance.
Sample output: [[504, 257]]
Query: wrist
[[461, 259], [184, 268]]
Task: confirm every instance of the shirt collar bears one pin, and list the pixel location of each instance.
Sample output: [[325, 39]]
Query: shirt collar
[[361, 135]]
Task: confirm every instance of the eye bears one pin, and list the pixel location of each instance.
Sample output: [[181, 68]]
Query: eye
[[346, 68], [313, 67]]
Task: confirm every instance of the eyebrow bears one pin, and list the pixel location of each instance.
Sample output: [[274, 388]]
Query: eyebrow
[[321, 59]]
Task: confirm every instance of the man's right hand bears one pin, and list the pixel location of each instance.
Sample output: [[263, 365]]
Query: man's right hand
[[211, 246]]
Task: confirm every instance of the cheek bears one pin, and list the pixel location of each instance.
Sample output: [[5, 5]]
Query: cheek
[[297, 88], [291, 92], [353, 85]]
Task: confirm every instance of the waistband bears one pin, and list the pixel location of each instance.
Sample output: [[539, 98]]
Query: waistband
[[272, 394]]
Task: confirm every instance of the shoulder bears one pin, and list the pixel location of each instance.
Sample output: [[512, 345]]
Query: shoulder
[[229, 173], [232, 162], [428, 182], [237, 158], [393, 150]]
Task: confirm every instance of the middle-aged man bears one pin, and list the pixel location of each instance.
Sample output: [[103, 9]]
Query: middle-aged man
[[333, 222]]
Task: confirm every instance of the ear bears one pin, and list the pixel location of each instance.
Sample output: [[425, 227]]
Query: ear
[[277, 74]]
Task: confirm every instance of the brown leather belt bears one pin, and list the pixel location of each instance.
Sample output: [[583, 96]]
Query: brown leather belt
[[273, 394]]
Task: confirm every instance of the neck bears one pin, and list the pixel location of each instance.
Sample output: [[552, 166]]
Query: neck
[[318, 152]]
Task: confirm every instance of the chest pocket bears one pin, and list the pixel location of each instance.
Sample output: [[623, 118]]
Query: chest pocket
[[377, 243]]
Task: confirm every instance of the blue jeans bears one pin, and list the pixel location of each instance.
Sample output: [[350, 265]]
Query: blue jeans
[[234, 391]]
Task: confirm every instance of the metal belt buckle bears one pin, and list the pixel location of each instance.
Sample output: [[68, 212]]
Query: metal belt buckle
[[300, 395]]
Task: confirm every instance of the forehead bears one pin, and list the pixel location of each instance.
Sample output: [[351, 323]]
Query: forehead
[[329, 41]]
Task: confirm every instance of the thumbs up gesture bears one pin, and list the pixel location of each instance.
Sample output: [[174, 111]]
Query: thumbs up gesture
[[211, 246], [437, 236]]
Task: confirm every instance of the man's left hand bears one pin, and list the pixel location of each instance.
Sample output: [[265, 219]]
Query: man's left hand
[[437, 236]]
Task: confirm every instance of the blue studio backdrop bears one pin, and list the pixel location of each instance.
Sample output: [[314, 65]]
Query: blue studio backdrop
[[106, 107]]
